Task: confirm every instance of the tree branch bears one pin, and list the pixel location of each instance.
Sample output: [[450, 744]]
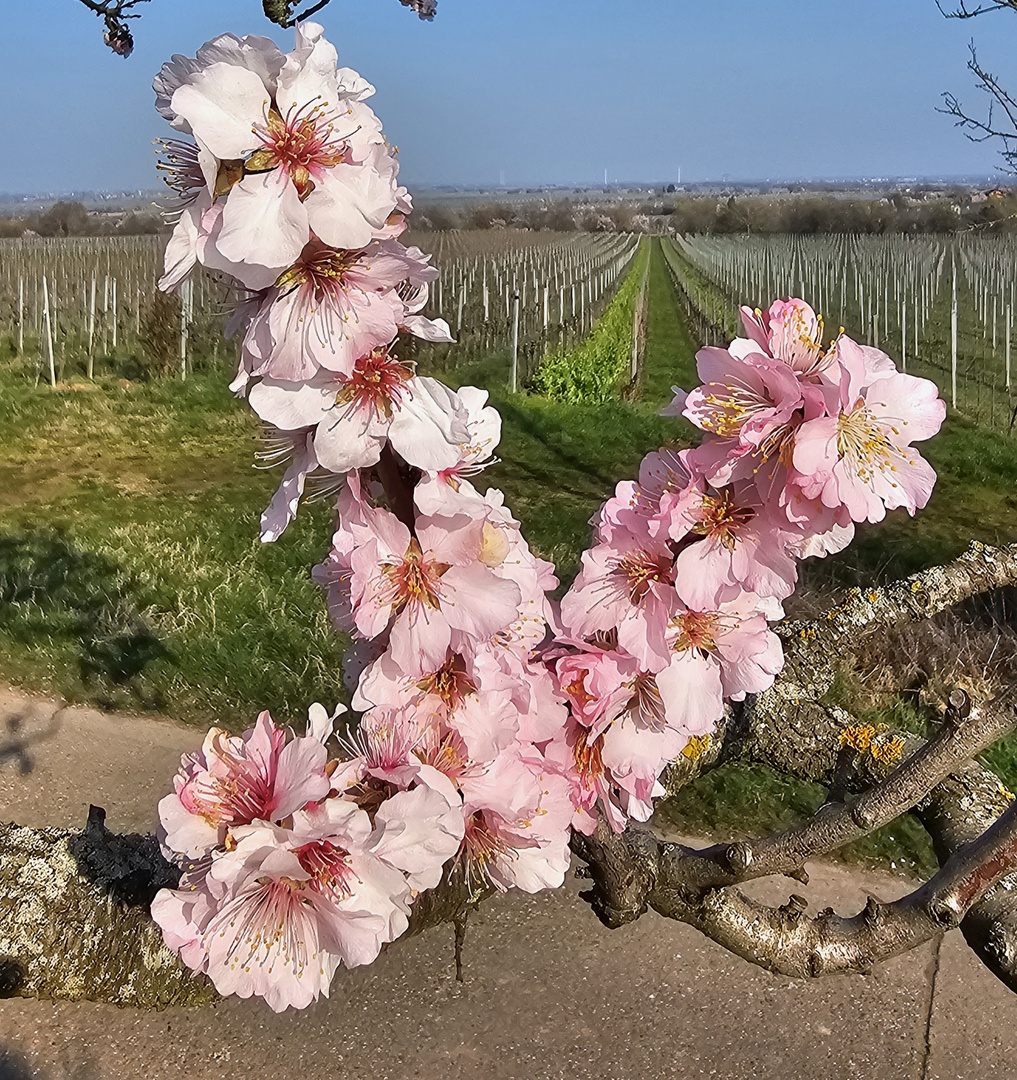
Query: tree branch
[[983, 130], [965, 11], [957, 741], [635, 871], [70, 902], [281, 11], [119, 38], [115, 14]]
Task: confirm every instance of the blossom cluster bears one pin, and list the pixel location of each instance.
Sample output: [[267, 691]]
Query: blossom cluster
[[287, 185], [668, 617], [493, 719]]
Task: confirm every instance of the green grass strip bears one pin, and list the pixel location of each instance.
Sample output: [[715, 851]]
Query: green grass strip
[[594, 372]]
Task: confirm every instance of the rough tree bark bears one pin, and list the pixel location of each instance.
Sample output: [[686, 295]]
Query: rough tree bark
[[73, 906]]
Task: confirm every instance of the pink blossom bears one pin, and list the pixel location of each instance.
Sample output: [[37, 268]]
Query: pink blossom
[[750, 400], [303, 149], [860, 455], [427, 587], [380, 757], [334, 574], [636, 507], [517, 820], [283, 907], [436, 692], [614, 766], [189, 171], [353, 417], [236, 779], [418, 832], [332, 307], [257, 54], [282, 510], [433, 495], [509, 557], [637, 747], [719, 650], [626, 583], [744, 542], [596, 682], [578, 755], [790, 331]]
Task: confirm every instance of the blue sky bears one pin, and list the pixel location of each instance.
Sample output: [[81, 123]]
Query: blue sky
[[542, 90]]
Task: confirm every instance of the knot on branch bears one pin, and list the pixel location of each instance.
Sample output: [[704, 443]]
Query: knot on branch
[[958, 707], [739, 857], [623, 868]]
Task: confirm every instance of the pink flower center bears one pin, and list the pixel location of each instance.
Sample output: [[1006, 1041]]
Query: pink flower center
[[181, 170], [450, 683], [329, 867], [269, 927], [576, 690], [646, 706], [378, 383], [639, 570], [862, 442], [720, 519], [697, 630], [320, 269], [587, 754], [304, 143], [413, 580], [797, 339], [448, 755], [234, 790], [481, 847], [730, 405]]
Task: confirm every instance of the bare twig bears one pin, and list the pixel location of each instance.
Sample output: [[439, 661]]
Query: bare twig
[[992, 127], [115, 14], [965, 11], [119, 38], [281, 11]]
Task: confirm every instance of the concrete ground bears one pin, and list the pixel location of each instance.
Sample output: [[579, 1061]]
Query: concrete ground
[[549, 992]]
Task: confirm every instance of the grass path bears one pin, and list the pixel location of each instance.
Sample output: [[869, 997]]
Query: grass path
[[670, 358]]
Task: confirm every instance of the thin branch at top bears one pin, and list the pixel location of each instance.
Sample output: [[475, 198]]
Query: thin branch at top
[[964, 11], [119, 38]]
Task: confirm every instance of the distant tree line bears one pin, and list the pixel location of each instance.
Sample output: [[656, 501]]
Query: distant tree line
[[67, 218], [670, 212], [557, 216]]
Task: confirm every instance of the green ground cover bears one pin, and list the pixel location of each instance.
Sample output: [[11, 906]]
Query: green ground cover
[[594, 371], [131, 572]]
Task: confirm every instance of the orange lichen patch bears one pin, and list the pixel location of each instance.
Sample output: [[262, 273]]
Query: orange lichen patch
[[696, 747], [887, 751], [858, 736]]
